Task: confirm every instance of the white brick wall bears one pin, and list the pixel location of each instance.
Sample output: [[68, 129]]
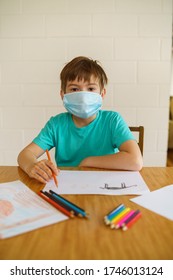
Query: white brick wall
[[132, 40]]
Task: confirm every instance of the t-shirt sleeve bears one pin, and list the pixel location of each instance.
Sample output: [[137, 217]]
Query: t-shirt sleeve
[[45, 139], [120, 131]]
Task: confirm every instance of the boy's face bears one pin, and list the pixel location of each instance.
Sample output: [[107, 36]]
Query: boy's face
[[81, 85]]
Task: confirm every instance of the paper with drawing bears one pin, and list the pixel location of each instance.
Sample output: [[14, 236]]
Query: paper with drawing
[[98, 182], [22, 210]]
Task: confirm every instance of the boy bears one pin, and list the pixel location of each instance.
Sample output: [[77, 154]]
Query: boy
[[85, 135]]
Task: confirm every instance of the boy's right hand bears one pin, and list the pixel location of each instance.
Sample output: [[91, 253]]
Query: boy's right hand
[[42, 170]]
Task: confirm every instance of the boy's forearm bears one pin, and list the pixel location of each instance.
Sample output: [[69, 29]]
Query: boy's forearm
[[40, 170], [119, 161], [26, 159]]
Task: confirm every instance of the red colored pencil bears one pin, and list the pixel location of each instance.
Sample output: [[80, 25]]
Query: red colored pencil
[[56, 205], [132, 221]]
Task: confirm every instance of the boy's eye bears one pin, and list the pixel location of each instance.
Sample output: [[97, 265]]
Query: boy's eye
[[91, 89], [74, 89]]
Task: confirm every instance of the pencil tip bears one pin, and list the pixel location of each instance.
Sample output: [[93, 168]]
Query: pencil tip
[[87, 216]]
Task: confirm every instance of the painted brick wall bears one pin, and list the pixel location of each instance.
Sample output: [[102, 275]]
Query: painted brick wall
[[132, 40]]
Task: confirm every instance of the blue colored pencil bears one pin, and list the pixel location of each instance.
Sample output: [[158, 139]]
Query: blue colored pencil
[[57, 201], [73, 207], [113, 213]]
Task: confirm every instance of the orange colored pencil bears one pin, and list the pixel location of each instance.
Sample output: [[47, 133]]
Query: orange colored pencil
[[56, 205], [54, 176]]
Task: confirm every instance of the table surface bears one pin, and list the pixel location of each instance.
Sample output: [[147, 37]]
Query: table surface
[[90, 239]]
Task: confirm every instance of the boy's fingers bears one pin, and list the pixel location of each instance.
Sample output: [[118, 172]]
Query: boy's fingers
[[39, 178], [43, 165], [42, 171], [38, 174], [53, 168]]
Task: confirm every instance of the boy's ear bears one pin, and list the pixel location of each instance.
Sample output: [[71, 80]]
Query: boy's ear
[[61, 93], [103, 93]]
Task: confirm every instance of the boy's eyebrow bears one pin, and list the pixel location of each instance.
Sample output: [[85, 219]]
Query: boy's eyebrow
[[89, 84]]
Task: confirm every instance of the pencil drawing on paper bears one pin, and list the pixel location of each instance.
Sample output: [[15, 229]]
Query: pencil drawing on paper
[[123, 186]]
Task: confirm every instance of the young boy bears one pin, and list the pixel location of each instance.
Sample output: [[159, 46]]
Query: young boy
[[85, 135]]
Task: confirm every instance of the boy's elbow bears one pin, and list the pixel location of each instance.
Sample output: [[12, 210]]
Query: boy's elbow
[[138, 164], [19, 158]]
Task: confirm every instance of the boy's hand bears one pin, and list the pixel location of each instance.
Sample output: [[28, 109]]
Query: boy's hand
[[42, 170]]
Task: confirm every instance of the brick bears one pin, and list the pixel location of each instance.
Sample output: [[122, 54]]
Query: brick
[[40, 95], [76, 6], [10, 95], [44, 49], [68, 25], [153, 118], [154, 72], [25, 117], [121, 72], [96, 48], [155, 25], [139, 7], [44, 6], [9, 6], [10, 49], [136, 95], [10, 139], [111, 25], [22, 26], [137, 49]]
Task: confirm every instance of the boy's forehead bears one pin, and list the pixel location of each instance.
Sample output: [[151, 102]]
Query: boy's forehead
[[91, 80]]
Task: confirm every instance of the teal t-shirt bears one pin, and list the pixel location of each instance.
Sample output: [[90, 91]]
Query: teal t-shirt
[[103, 136]]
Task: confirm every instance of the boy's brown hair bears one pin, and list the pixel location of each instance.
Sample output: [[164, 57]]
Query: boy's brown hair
[[82, 68]]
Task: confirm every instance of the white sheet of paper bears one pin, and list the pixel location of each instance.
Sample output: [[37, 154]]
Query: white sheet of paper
[[22, 210], [159, 201], [98, 182]]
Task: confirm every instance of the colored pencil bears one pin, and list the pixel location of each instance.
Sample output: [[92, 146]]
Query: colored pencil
[[112, 216], [54, 176], [131, 221], [113, 213], [58, 202], [57, 206], [131, 217], [80, 211], [123, 220], [117, 218]]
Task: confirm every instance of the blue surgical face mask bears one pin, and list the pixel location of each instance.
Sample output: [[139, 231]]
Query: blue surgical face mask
[[82, 104]]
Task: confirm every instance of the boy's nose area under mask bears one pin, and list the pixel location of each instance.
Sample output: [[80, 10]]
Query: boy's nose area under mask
[[82, 104]]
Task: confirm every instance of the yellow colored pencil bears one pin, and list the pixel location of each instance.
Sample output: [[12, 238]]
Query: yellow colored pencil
[[118, 217]]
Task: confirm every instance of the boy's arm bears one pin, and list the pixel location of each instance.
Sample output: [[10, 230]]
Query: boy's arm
[[128, 158], [40, 170]]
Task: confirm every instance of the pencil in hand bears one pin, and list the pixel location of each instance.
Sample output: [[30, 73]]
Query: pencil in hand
[[53, 174]]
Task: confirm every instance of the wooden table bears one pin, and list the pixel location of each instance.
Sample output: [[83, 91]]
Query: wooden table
[[81, 239]]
